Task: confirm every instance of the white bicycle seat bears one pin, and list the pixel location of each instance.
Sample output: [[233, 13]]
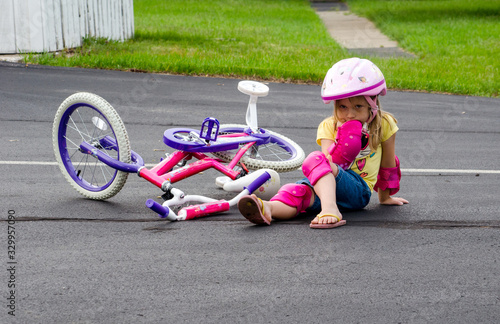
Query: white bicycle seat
[[253, 88]]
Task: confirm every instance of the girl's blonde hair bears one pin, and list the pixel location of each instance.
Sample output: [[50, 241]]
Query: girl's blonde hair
[[375, 126]]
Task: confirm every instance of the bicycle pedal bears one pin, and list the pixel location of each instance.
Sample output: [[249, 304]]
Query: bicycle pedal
[[244, 170], [209, 129]]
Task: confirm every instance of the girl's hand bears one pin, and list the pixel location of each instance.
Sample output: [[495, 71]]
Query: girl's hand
[[394, 201]]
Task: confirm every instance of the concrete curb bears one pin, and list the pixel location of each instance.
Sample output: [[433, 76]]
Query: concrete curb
[[13, 58]]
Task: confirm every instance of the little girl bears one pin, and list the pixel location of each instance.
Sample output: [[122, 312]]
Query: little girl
[[357, 154]]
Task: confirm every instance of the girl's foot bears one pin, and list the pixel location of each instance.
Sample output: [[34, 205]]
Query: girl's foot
[[327, 220], [255, 210]]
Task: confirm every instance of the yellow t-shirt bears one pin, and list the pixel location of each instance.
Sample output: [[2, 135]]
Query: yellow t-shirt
[[367, 163]]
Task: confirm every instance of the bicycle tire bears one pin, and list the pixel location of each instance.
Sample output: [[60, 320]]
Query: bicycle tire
[[86, 116], [279, 145]]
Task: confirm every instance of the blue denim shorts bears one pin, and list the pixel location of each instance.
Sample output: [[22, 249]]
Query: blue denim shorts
[[352, 192]]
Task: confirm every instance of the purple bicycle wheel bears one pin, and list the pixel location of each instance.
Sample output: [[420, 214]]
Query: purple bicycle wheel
[[88, 117], [280, 154]]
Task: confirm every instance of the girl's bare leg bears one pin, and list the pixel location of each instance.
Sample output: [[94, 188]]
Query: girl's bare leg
[[277, 210]]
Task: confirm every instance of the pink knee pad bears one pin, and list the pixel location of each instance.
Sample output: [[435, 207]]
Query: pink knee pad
[[315, 166], [348, 144], [295, 195]]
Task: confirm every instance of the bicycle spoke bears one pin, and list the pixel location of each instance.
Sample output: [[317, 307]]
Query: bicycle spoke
[[269, 151], [103, 175], [93, 173], [78, 130], [85, 164], [75, 128], [106, 168], [73, 154], [77, 167], [76, 145], [278, 153], [93, 133], [83, 122], [96, 171]]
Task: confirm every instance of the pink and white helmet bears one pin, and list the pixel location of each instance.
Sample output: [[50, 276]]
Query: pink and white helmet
[[354, 77]]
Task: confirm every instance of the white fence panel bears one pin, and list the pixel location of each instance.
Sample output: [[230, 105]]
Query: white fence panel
[[7, 40], [51, 25]]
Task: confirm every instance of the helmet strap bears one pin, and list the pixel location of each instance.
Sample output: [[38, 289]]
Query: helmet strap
[[373, 105]]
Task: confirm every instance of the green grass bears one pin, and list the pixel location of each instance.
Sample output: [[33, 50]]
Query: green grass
[[261, 39], [457, 42]]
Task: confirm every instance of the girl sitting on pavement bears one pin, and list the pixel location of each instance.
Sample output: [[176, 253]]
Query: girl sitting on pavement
[[357, 154]]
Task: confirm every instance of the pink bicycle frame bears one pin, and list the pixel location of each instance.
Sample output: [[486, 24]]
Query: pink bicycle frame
[[163, 172]]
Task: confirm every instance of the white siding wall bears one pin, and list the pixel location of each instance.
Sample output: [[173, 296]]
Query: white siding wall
[[51, 25]]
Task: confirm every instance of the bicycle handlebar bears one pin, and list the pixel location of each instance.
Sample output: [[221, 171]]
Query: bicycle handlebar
[[258, 182], [158, 208]]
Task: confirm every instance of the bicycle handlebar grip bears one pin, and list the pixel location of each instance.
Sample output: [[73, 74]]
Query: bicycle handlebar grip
[[258, 182], [158, 208]]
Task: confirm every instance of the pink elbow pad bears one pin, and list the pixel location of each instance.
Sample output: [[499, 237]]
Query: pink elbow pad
[[348, 144], [388, 178], [315, 166]]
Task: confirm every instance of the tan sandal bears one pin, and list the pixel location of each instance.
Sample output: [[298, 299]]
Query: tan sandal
[[338, 223], [252, 208]]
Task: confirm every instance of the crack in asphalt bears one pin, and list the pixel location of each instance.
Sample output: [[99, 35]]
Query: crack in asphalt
[[426, 224]]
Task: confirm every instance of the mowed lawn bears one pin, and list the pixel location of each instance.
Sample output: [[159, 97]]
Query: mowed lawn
[[456, 43]]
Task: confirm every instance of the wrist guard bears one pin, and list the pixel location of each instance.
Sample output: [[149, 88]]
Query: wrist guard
[[388, 178]]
